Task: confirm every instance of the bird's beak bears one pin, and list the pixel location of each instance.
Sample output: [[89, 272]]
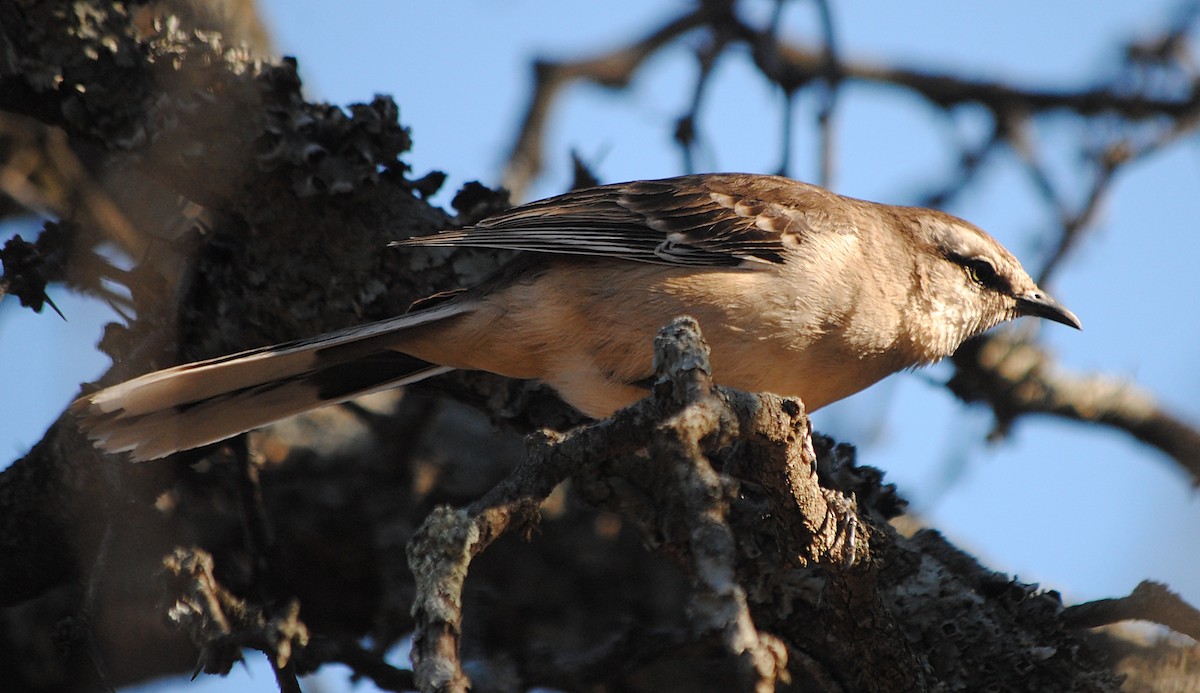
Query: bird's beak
[[1038, 304]]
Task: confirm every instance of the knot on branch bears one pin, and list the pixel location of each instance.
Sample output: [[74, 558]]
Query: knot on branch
[[681, 369]]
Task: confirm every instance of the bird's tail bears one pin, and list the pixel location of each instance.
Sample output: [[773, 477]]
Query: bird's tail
[[204, 402]]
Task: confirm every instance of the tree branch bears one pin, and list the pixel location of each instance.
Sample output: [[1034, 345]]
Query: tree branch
[[1015, 377]]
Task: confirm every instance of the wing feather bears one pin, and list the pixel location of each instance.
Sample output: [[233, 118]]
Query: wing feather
[[723, 220]]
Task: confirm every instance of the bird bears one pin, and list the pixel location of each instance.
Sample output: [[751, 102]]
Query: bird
[[799, 291]]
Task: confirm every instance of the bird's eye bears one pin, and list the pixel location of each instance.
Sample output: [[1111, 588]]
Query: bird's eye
[[981, 272]]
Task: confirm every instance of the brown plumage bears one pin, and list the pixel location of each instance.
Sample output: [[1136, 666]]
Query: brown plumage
[[799, 291]]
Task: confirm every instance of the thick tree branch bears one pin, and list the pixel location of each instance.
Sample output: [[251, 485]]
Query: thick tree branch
[[698, 469]]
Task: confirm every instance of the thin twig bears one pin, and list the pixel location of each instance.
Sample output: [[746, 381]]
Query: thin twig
[[831, 84], [686, 134], [613, 69]]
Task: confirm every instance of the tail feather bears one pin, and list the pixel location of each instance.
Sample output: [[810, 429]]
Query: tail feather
[[204, 402], [161, 433]]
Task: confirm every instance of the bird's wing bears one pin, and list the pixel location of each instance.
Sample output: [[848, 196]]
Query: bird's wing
[[723, 220]]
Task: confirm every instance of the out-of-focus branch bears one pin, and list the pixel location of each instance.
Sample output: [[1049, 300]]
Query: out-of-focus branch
[[1015, 377], [686, 131], [829, 95], [40, 171], [1149, 601], [613, 70], [1073, 224], [794, 66], [1108, 163]]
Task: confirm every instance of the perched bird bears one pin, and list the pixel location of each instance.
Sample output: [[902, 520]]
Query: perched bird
[[799, 291]]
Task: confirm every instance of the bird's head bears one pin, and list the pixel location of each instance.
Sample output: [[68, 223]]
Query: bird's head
[[971, 283]]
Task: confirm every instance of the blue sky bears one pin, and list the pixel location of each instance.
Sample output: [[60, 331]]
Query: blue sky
[[1082, 510]]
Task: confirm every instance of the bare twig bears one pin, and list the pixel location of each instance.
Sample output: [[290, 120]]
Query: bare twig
[[439, 554], [613, 69], [221, 624], [1074, 224], [947, 90], [685, 127], [829, 94]]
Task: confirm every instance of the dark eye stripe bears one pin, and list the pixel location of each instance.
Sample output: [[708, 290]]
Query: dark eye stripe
[[982, 272]]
